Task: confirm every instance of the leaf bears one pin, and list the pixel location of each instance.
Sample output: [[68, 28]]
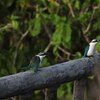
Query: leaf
[[69, 92], [77, 55], [15, 24], [53, 2], [98, 1], [63, 89], [98, 44], [57, 19], [35, 26], [59, 22], [60, 93], [66, 34], [23, 3], [77, 4], [64, 1], [84, 17], [62, 35], [68, 31], [14, 17], [96, 26], [3, 72], [86, 4], [57, 35]]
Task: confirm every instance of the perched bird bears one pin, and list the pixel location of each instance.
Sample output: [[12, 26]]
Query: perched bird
[[90, 50], [36, 61]]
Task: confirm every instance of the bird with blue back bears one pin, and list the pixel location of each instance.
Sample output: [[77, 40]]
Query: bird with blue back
[[90, 51], [36, 61]]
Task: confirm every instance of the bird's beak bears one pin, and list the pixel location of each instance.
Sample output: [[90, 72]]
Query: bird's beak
[[46, 53]]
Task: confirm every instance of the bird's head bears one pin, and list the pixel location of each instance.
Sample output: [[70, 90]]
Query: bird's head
[[94, 41], [90, 49], [41, 55]]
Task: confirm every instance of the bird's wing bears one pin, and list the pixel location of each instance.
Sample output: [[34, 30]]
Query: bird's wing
[[86, 50], [34, 63]]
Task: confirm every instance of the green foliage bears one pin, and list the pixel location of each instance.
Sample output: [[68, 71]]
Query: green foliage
[[63, 90], [62, 33], [15, 24], [96, 26], [35, 26], [97, 1], [56, 38], [84, 17], [77, 4], [6, 3], [66, 24], [98, 45], [77, 55]]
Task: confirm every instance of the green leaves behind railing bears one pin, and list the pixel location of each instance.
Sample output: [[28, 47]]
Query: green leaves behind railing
[[67, 35], [6, 3], [77, 4], [15, 22], [84, 17], [98, 44], [96, 26], [23, 3], [57, 35], [62, 33], [53, 2], [63, 90], [35, 26], [98, 1], [3, 72]]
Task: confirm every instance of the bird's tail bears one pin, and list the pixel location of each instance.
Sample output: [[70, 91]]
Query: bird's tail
[[35, 69]]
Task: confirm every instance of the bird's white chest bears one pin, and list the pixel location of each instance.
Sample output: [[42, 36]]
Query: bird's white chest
[[41, 58], [91, 50]]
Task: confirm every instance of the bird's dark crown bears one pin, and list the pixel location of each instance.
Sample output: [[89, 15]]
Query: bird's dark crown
[[42, 53], [95, 40]]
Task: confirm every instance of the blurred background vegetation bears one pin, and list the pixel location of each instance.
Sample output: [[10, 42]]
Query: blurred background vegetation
[[61, 27]]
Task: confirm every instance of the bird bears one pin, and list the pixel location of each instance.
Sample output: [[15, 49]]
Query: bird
[[35, 62], [90, 50]]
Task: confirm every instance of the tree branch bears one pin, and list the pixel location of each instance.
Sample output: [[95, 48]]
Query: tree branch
[[48, 46], [86, 30], [9, 25], [17, 47], [25, 82], [70, 8]]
